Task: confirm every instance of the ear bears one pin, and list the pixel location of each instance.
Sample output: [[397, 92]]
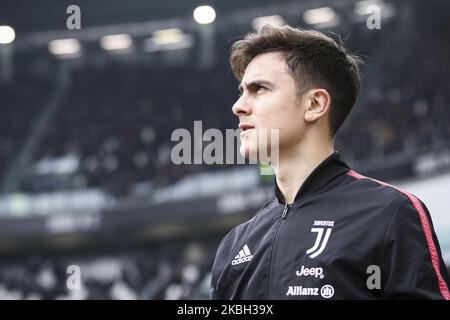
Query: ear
[[318, 104]]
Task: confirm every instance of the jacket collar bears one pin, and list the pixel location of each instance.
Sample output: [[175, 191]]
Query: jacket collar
[[328, 170]]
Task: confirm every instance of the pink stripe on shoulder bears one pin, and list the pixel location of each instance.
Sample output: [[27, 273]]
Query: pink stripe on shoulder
[[426, 229]]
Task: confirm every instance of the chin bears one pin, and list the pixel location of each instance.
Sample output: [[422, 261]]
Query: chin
[[248, 152], [257, 152]]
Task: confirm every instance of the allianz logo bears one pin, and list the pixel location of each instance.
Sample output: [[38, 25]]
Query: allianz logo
[[327, 291], [310, 272]]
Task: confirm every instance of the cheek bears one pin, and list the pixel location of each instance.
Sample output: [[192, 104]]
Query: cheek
[[272, 119], [279, 111], [281, 108], [291, 127]]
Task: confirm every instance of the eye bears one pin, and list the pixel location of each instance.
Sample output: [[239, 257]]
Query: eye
[[259, 88]]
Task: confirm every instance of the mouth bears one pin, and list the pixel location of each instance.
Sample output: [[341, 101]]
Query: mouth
[[245, 127]]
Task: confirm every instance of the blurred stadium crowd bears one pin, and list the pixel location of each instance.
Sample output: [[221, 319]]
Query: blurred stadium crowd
[[112, 131], [165, 271], [117, 117]]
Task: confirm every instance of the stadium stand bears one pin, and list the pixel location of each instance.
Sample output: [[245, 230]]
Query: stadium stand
[[111, 132]]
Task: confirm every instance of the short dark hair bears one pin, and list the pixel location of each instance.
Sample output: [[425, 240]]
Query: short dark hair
[[314, 60]]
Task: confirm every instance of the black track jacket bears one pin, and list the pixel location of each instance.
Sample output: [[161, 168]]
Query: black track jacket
[[345, 236]]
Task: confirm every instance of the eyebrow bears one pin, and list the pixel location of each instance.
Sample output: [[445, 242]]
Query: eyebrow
[[258, 82]]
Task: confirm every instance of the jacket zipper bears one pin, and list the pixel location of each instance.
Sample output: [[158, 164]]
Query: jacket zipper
[[285, 210], [283, 216]]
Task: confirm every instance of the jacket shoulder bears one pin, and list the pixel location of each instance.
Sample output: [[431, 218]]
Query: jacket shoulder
[[380, 190]]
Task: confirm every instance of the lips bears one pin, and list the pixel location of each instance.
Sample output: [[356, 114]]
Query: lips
[[244, 127]]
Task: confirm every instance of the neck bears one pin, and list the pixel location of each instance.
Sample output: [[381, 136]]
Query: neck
[[297, 163]]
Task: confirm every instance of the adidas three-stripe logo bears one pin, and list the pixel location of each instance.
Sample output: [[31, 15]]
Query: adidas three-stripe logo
[[243, 256]]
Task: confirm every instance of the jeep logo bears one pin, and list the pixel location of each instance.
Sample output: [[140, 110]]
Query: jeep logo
[[314, 272]]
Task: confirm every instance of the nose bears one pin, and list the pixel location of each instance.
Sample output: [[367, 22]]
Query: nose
[[241, 107]]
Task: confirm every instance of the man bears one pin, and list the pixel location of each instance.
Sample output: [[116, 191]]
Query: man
[[330, 233]]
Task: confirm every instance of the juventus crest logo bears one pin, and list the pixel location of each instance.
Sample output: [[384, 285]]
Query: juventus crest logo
[[323, 234]]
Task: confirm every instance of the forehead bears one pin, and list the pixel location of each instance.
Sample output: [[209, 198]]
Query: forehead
[[270, 66]]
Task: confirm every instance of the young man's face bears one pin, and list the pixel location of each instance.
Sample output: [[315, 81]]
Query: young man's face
[[269, 100]]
